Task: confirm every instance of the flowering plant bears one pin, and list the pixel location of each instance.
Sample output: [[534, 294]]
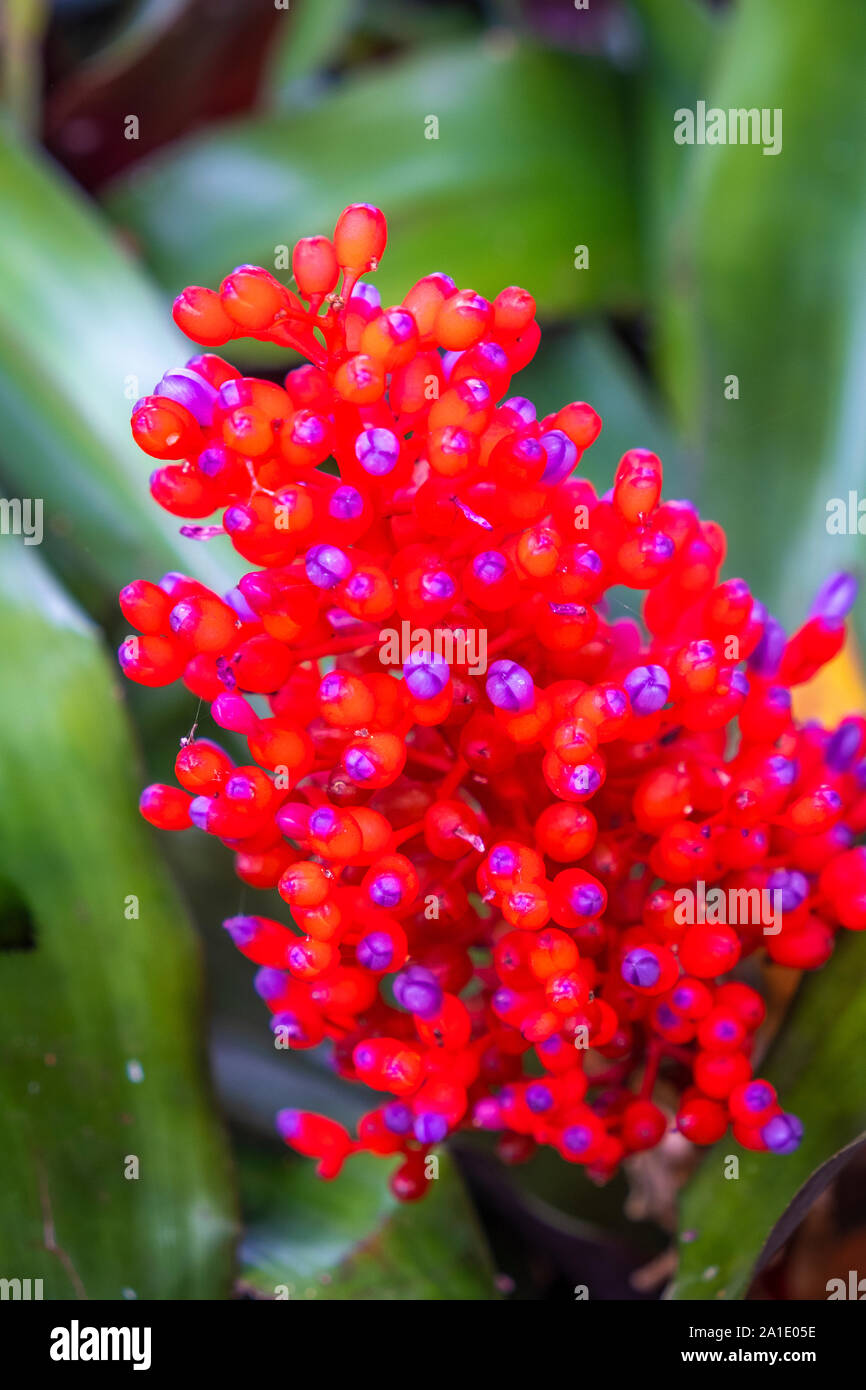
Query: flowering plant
[[491, 875]]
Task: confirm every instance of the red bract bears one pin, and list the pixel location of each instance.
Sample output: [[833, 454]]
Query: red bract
[[521, 849]]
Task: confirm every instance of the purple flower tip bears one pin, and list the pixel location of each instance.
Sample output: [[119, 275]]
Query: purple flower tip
[[375, 951], [648, 688], [199, 811], [430, 1128], [268, 982], [359, 766], [782, 1134], [346, 503], [768, 653], [426, 674], [289, 1025], [377, 450], [397, 1117], [843, 746], [510, 687], [836, 596], [386, 890], [783, 769], [577, 1138], [489, 566], [757, 1096], [793, 886], [323, 821], [418, 991], [327, 565], [584, 780], [190, 390], [502, 860], [561, 455], [438, 584], [587, 900], [640, 968], [539, 1097], [240, 788], [368, 293], [288, 1122], [522, 407], [240, 929]]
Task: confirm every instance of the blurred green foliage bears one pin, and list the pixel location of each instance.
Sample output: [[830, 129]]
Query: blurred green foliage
[[101, 1059], [351, 1239], [704, 262], [489, 197], [817, 1067], [82, 336]]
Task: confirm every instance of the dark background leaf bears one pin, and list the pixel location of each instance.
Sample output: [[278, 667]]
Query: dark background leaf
[[764, 279], [350, 1239], [82, 336], [530, 161], [818, 1070], [100, 1057]]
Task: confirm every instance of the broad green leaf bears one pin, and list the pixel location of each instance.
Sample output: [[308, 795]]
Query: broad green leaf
[[680, 36], [766, 282], [530, 161], [590, 365], [351, 1240], [806, 1197], [680, 40], [100, 1059], [24, 23], [82, 336], [818, 1071], [313, 35], [395, 22]]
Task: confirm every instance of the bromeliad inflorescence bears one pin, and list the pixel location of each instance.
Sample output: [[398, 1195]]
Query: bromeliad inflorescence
[[485, 871]]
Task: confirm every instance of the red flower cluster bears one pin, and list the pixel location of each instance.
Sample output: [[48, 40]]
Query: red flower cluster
[[489, 870]]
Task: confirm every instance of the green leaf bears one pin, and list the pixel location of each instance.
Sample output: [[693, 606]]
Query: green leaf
[[24, 24], [680, 36], [590, 365], [530, 161], [100, 1058], [395, 22], [314, 35], [817, 1069], [765, 282], [806, 1197], [82, 336], [680, 42], [351, 1240]]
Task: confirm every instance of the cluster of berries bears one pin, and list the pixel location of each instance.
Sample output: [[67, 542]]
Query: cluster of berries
[[484, 871]]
